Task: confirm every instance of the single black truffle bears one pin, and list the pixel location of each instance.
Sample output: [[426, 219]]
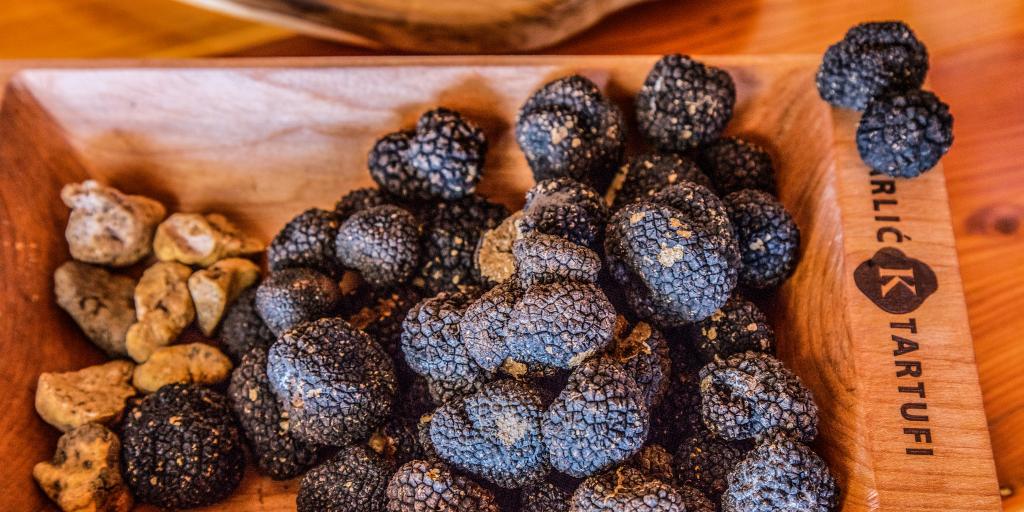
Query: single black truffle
[[643, 352], [545, 496], [420, 486], [433, 346], [382, 243], [649, 173], [704, 461], [569, 129], [242, 329], [781, 474], [674, 270], [599, 419], [354, 480], [872, 59], [626, 489], [451, 234], [181, 448], [768, 238], [446, 154], [306, 241], [380, 314], [292, 296], [335, 383], [904, 134], [736, 327], [361, 199], [735, 164], [278, 452], [544, 259], [565, 208], [684, 103], [751, 395], [494, 433], [703, 208]]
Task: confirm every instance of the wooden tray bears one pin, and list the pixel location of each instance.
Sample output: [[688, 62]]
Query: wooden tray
[[261, 141]]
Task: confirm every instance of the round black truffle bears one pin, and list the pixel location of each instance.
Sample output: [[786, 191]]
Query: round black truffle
[[295, 295], [354, 480], [360, 199], [181, 448], [242, 329], [451, 234], [626, 489], [433, 345], [651, 172], [565, 208], [780, 474], [751, 395], [420, 485], [446, 155], [872, 59], [735, 164], [736, 327], [306, 241], [768, 238], [904, 134], [704, 461], [335, 383], [684, 103], [277, 451], [381, 243], [389, 167]]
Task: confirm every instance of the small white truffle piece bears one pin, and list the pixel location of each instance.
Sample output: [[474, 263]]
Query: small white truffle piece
[[195, 363], [107, 227], [91, 395], [163, 307], [218, 285], [195, 239], [100, 303], [85, 473]]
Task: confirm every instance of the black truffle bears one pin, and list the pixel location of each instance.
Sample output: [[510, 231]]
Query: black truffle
[[546, 496], [389, 167], [684, 103], [872, 59], [735, 164], [361, 199], [306, 241], [380, 314], [420, 485], [599, 419], [751, 395], [447, 155], [904, 134], [678, 414], [494, 433], [626, 489], [654, 461], [242, 329], [382, 243], [433, 345], [736, 327], [768, 238], [704, 462], [181, 448], [545, 259], [651, 172], [484, 326], [568, 129], [278, 452], [643, 352], [451, 234], [781, 474], [354, 480], [565, 208], [398, 440], [295, 295], [335, 383]]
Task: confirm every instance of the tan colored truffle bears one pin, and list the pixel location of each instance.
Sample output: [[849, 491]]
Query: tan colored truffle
[[494, 257], [163, 307], [91, 395], [216, 286], [196, 363], [108, 227], [99, 302], [195, 239], [85, 473]]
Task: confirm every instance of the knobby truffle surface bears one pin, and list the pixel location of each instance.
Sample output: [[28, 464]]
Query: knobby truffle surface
[[354, 480], [905, 134], [781, 474], [420, 486]]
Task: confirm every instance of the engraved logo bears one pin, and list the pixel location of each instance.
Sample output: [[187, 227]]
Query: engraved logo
[[894, 282]]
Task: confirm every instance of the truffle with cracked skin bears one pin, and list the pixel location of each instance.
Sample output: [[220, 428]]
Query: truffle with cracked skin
[[684, 103]]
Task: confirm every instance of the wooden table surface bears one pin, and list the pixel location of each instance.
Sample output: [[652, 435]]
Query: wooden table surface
[[977, 59]]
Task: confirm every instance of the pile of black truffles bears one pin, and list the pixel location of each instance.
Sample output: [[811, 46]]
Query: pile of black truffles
[[420, 348]]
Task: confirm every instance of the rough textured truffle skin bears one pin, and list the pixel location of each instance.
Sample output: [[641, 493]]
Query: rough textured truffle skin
[[599, 419], [242, 328], [446, 154], [684, 103], [181, 448], [360, 199], [654, 461], [287, 298], [751, 395], [872, 59], [354, 480], [451, 234], [278, 452], [704, 462], [768, 238], [738, 326], [643, 352], [546, 259], [335, 383], [626, 489], [565, 208], [380, 313], [391, 170], [703, 208], [382, 243], [649, 173], [545, 496], [420, 486], [484, 326], [674, 270], [306, 241], [432, 341], [568, 129], [904, 134], [735, 164], [678, 414], [781, 474], [494, 433]]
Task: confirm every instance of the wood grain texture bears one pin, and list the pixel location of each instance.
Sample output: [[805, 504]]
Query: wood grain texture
[[261, 143]]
